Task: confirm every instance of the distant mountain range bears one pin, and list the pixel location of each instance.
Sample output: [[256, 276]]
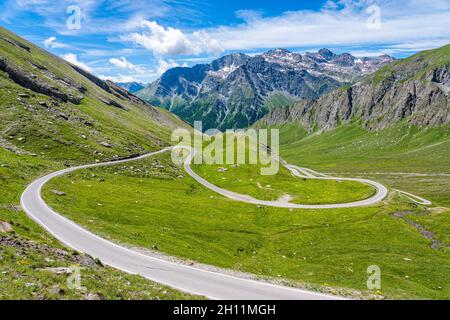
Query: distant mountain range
[[131, 87], [416, 89], [237, 90]]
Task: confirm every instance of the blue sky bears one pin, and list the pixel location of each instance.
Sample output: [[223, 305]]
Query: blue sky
[[126, 40]]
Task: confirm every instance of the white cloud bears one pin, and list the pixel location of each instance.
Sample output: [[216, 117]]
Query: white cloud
[[52, 43], [100, 52], [341, 23], [164, 65], [73, 59], [402, 48], [48, 42], [249, 15], [123, 63], [171, 41], [118, 78]]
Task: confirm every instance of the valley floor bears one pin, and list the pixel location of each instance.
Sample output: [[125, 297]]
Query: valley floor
[[325, 250]]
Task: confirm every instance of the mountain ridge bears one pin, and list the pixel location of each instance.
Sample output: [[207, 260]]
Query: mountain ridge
[[236, 90], [415, 89]]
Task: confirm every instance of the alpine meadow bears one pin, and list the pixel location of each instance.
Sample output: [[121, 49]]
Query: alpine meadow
[[181, 150]]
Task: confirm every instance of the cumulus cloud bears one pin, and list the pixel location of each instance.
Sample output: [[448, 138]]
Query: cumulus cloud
[[119, 78], [123, 63], [73, 59], [48, 42], [171, 41], [249, 15], [52, 43], [164, 65]]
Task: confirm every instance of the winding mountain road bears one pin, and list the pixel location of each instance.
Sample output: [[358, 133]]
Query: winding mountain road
[[193, 280], [381, 191]]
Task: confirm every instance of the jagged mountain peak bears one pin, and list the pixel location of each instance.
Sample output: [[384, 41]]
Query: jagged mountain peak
[[344, 60], [282, 56], [327, 54], [236, 89], [229, 62], [278, 51]]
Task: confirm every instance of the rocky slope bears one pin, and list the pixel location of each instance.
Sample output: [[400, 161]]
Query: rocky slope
[[415, 90], [48, 105], [236, 90]]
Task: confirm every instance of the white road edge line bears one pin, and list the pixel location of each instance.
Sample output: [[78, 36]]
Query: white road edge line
[[414, 198]]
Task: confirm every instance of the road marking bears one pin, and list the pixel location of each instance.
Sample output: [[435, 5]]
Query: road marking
[[415, 198]]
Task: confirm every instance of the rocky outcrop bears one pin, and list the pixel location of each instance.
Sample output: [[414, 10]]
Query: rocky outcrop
[[97, 81], [31, 81], [63, 81], [111, 88], [123, 93], [5, 227], [113, 103], [16, 43]]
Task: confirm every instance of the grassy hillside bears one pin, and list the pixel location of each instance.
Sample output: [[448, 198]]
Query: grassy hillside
[[417, 66], [54, 128], [278, 99], [53, 115]]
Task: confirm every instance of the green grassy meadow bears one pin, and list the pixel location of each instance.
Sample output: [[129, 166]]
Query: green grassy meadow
[[247, 179], [325, 250]]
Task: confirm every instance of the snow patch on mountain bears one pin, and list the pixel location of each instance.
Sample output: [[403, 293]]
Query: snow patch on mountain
[[224, 72]]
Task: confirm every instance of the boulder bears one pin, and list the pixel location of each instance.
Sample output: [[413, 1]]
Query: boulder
[[5, 227], [106, 144], [59, 193], [59, 270]]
